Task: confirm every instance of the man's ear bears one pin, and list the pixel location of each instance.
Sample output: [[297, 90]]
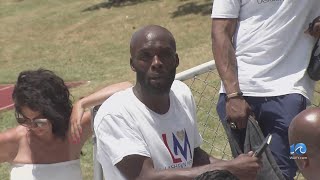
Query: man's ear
[[131, 65], [177, 60]]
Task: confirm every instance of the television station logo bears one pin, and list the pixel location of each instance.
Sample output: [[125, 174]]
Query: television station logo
[[297, 151]]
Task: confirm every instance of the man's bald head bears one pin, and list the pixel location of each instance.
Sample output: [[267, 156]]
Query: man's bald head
[[305, 128], [150, 33]]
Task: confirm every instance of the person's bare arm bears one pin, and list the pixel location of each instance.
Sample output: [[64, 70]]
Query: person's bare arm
[[136, 167], [203, 158], [9, 144], [100, 96], [86, 127], [77, 122], [314, 28], [222, 32]]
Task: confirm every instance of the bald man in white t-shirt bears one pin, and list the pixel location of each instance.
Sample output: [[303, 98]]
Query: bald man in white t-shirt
[[150, 131]]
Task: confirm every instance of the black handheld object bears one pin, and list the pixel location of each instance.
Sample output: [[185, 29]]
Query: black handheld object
[[263, 146]]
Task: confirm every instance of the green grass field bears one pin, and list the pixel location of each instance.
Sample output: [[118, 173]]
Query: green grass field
[[89, 40]]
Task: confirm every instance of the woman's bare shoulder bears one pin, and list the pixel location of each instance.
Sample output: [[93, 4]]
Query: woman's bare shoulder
[[13, 134], [9, 142]]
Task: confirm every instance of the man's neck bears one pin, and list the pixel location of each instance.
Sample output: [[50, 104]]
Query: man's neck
[[157, 103]]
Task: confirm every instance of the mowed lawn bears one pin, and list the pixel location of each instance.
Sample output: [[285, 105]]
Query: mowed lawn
[[89, 40]]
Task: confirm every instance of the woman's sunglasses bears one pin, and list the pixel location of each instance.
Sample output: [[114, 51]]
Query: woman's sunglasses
[[35, 123]]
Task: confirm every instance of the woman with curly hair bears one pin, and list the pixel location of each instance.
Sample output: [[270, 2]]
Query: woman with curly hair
[[38, 148]]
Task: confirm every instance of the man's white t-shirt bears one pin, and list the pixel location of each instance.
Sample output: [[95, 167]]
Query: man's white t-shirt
[[125, 126], [272, 49]]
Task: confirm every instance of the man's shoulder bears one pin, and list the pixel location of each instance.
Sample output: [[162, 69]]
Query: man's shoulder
[[179, 86], [183, 94], [180, 89], [115, 104], [118, 98]]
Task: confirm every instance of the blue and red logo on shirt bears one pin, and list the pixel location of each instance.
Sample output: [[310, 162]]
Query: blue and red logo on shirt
[[178, 148]]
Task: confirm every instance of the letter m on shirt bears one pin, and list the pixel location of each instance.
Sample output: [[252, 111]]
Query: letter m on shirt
[[177, 148]]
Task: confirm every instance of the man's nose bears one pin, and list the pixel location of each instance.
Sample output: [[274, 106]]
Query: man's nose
[[156, 63]]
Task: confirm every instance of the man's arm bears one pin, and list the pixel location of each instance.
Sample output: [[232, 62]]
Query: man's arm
[[237, 109], [202, 158], [9, 145], [136, 167], [78, 120]]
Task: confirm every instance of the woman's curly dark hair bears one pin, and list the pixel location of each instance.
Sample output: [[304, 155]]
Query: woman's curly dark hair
[[43, 91]]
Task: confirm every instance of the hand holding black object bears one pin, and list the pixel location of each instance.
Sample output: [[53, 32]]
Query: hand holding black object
[[263, 146]]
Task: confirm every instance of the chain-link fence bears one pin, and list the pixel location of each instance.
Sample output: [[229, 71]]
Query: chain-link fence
[[204, 83]]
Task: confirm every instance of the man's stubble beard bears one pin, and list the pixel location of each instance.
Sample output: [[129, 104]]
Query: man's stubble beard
[[147, 86]]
